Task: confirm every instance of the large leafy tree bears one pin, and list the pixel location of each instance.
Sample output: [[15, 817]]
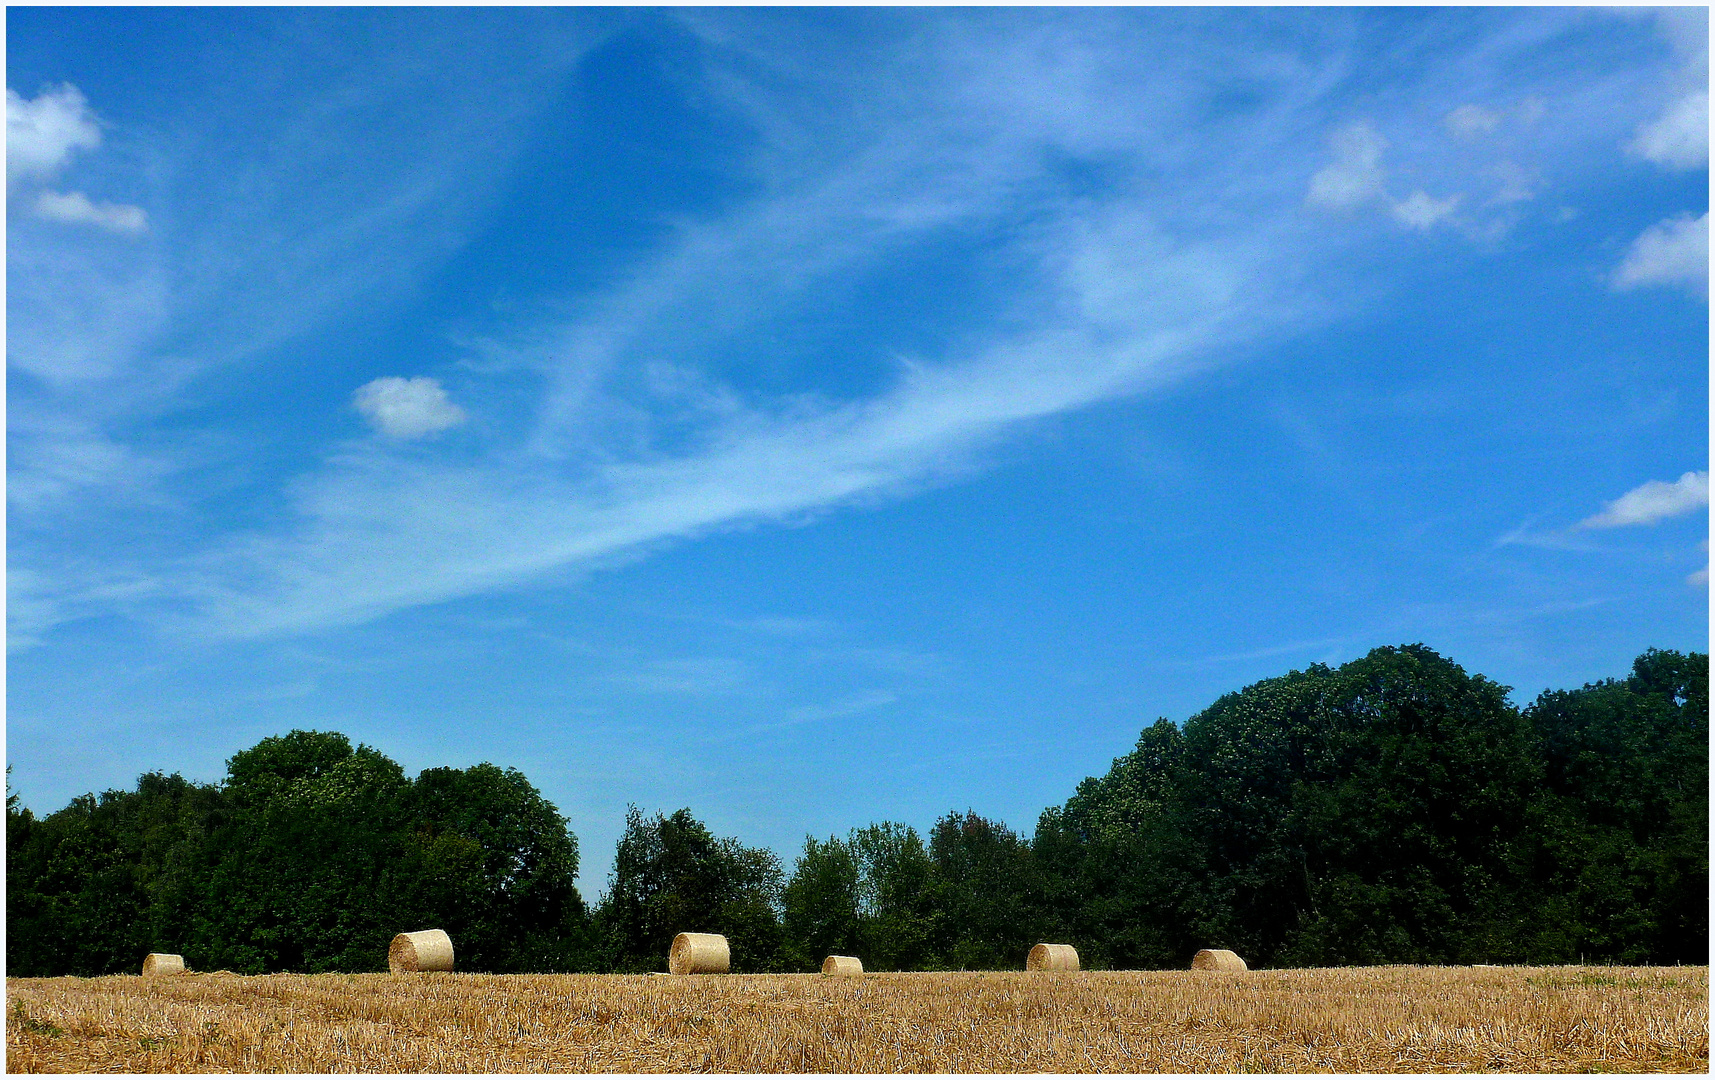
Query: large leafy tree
[[1371, 813], [989, 894], [489, 860], [896, 897], [820, 905], [309, 858], [671, 875], [92, 888], [1623, 828]]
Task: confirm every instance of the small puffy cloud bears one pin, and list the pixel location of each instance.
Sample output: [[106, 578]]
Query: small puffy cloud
[[1421, 211], [1471, 121], [407, 408], [1355, 175], [42, 133], [1671, 252], [1679, 138], [76, 208], [1654, 501]]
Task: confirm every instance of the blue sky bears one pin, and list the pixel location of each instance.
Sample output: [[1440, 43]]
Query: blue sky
[[815, 417]]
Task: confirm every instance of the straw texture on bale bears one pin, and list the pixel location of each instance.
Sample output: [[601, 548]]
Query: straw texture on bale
[[163, 963], [1052, 958], [425, 950], [1217, 960], [699, 954], [842, 965]]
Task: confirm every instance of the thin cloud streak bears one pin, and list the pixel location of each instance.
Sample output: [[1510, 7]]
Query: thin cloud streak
[[1112, 297]]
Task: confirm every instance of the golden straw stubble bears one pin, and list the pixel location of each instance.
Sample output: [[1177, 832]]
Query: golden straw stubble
[[1341, 1020], [699, 954], [1045, 957], [424, 950]]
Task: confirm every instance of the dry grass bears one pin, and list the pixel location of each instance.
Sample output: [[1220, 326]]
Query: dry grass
[[1405, 1019]]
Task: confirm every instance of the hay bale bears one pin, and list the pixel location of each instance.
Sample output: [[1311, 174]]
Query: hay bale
[[842, 965], [699, 954], [1052, 958], [425, 950], [163, 963], [1217, 960]]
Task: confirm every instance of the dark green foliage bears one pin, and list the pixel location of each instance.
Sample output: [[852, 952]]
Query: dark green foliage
[[309, 858], [1398, 810], [896, 897], [490, 861], [670, 876], [1393, 810], [1623, 847], [821, 908], [92, 888], [875, 895], [989, 896]]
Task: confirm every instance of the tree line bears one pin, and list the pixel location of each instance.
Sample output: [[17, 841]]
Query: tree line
[[1391, 810]]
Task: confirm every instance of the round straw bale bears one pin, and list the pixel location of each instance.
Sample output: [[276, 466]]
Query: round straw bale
[[1217, 960], [842, 965], [163, 963], [425, 950], [699, 954], [1052, 958]]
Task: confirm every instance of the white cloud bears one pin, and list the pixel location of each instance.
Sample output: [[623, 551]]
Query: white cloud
[[407, 408], [1105, 304], [1355, 175], [1671, 252], [1515, 185], [1421, 211], [76, 208], [1654, 501], [1679, 138], [1471, 121], [41, 133], [1355, 178]]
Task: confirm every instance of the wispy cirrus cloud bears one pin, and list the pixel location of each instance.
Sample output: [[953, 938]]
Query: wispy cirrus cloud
[[77, 208], [637, 415]]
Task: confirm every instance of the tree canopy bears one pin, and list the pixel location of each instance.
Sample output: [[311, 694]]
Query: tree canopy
[[1395, 809]]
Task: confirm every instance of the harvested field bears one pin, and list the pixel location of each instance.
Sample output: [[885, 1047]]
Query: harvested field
[[1404, 1019]]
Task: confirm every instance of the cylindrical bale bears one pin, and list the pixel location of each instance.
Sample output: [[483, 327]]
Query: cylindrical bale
[[699, 954], [1045, 957], [842, 965], [425, 950], [163, 963], [1217, 960]]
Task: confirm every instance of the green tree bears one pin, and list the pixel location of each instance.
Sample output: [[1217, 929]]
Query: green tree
[[988, 892], [310, 857], [896, 899], [302, 861], [91, 888], [1623, 832], [820, 905], [671, 875], [490, 861]]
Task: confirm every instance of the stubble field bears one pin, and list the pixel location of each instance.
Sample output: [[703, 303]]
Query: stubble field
[[1404, 1019]]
